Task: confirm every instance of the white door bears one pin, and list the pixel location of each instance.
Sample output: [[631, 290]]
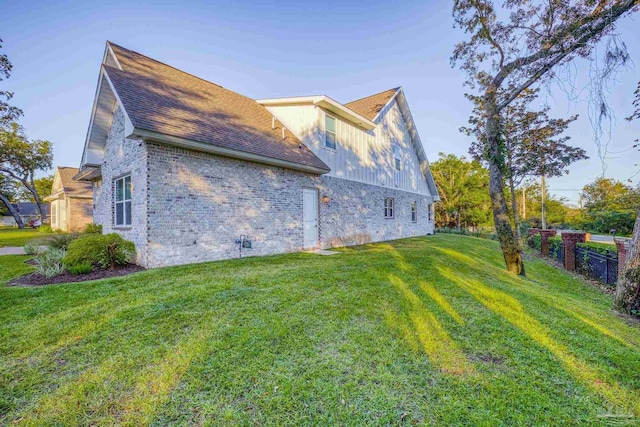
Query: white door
[[310, 214]]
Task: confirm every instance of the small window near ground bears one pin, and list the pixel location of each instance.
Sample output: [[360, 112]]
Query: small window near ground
[[429, 211], [414, 213], [396, 158], [388, 208], [123, 201], [330, 132]]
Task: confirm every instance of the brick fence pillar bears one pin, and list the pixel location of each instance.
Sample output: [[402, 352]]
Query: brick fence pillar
[[544, 240], [569, 241], [623, 247], [533, 231]]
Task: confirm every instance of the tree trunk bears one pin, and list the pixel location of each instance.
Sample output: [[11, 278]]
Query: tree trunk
[[36, 197], [514, 207], [627, 297], [544, 209], [458, 219], [508, 242], [12, 211]]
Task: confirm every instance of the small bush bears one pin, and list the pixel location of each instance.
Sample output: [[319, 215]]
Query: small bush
[[82, 268], [535, 242], [61, 241], [93, 229], [49, 263], [31, 249], [104, 251], [45, 228]]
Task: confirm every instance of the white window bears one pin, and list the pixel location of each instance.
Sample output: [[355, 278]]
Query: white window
[[396, 158], [329, 132], [388, 207], [429, 210], [123, 201], [54, 214], [414, 213]]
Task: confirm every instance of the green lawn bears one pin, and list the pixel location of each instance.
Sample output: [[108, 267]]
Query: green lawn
[[17, 237], [424, 331]]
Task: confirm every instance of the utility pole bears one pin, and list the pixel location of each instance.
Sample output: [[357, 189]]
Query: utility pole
[[524, 204], [544, 210]]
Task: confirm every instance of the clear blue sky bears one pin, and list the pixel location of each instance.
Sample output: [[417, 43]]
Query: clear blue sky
[[343, 49]]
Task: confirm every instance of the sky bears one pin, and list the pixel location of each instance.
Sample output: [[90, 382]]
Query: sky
[[263, 49]]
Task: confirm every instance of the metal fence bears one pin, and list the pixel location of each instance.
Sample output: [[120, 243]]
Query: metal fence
[[603, 267]]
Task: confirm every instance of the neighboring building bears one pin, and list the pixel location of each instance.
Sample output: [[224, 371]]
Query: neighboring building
[[27, 211], [71, 201], [187, 170]]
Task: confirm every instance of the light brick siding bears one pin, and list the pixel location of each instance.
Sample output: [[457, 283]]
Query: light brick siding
[[123, 157], [199, 204], [80, 213], [354, 213], [189, 206]]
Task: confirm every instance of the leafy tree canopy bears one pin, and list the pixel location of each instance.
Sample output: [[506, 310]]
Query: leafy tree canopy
[[606, 194], [462, 185]]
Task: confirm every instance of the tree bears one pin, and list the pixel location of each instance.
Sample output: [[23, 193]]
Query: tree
[[627, 297], [528, 143], [515, 47], [7, 195], [20, 159], [8, 113], [462, 185], [43, 188], [606, 194]]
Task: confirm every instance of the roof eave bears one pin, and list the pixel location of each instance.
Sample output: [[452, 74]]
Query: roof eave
[[324, 102], [148, 135]]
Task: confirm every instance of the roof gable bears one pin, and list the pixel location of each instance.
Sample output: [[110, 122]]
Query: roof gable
[[370, 106], [63, 182]]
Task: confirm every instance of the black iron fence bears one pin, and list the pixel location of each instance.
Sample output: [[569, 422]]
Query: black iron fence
[[597, 265]]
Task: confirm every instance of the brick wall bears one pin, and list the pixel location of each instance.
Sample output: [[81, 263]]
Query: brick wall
[[199, 204], [80, 213], [123, 156], [354, 213], [189, 206]]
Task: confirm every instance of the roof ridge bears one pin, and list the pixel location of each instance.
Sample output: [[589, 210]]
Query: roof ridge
[[167, 65], [372, 95]]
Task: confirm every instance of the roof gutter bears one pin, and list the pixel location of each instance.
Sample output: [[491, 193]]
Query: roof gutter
[[227, 152]]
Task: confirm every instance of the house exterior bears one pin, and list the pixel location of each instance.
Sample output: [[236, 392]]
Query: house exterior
[[71, 201], [27, 211], [191, 171]]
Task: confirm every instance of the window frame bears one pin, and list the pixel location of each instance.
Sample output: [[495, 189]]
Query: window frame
[[389, 208], [430, 211], [333, 132], [414, 211], [397, 158], [123, 201]]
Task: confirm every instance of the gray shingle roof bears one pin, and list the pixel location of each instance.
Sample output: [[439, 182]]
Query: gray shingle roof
[[370, 106], [163, 99]]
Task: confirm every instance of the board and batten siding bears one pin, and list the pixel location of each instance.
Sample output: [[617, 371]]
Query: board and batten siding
[[361, 155]]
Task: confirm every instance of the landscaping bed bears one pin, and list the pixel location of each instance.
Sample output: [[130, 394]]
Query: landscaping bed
[[37, 279]]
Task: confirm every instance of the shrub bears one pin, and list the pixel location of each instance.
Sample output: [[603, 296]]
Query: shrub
[[31, 249], [61, 241], [49, 263], [535, 242], [45, 228], [93, 229], [601, 248], [81, 268], [104, 251]]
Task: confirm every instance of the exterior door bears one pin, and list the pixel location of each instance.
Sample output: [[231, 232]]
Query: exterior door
[[310, 217]]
